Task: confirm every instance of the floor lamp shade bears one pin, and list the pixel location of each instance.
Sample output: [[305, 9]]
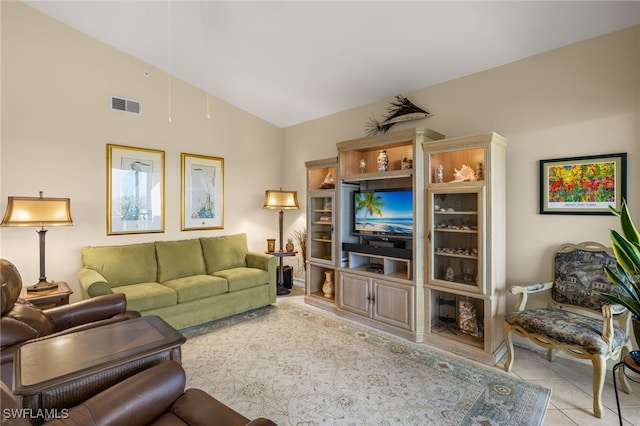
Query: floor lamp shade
[[279, 199], [38, 211]]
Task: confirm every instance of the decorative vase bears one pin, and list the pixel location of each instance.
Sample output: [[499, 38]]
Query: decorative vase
[[383, 161], [327, 286], [289, 246]]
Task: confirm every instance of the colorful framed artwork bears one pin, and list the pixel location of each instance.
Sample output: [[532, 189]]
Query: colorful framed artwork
[[583, 185], [135, 190], [202, 203]]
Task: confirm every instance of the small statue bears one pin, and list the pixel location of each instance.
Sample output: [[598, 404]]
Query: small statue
[[449, 275], [440, 174], [362, 165], [328, 182]]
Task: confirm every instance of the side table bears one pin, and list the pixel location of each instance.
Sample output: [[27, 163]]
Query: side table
[[62, 371], [50, 298], [631, 364], [282, 290]]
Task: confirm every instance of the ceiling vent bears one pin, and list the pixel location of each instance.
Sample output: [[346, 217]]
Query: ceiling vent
[[126, 105]]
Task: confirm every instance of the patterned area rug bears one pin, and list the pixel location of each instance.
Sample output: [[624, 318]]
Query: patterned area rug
[[297, 365]]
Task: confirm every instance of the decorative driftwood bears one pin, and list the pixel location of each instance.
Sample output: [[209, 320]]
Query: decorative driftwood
[[402, 110]]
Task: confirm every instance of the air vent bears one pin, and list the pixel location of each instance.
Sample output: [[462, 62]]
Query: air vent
[[126, 105]]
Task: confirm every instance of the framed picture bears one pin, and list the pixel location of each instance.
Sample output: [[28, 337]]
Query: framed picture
[[202, 205], [583, 185], [135, 190]]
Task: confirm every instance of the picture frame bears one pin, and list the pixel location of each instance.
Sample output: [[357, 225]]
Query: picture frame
[[583, 185], [202, 188], [135, 190]]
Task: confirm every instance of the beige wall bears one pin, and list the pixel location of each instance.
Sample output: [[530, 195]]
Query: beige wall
[[583, 99], [56, 123]]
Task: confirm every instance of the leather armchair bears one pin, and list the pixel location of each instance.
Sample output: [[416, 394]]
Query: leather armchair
[[21, 322], [155, 396]]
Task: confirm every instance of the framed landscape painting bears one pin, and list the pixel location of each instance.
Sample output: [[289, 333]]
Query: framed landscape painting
[[135, 190], [202, 201], [583, 185]]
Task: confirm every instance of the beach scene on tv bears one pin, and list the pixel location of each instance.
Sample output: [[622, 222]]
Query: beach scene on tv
[[384, 212]]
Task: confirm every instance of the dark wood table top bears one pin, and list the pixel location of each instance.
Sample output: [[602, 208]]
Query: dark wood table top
[[58, 359]]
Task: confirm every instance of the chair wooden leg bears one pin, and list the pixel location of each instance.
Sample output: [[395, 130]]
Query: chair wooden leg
[[506, 331], [599, 372]]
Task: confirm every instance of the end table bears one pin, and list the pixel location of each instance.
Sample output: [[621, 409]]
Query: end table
[[282, 290], [631, 364], [50, 298]]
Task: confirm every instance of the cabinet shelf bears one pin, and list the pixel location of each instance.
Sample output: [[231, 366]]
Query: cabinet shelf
[[377, 175], [322, 240], [459, 231], [461, 256]]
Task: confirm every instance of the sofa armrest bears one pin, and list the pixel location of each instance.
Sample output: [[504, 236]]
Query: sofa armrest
[[524, 291], [92, 283], [87, 311], [137, 400], [260, 261], [268, 263]]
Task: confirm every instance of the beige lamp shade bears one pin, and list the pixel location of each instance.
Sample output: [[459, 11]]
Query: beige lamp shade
[[279, 199], [37, 211]]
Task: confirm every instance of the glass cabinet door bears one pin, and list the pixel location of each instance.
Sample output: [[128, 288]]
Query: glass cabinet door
[[321, 247], [455, 238]]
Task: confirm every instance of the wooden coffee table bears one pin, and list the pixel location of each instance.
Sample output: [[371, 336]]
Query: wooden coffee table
[[62, 371]]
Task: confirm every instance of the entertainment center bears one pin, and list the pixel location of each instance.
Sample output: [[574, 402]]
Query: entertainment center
[[415, 245]]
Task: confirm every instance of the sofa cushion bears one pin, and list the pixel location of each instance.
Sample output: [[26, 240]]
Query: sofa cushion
[[179, 259], [145, 296], [122, 265], [241, 278], [197, 287], [224, 252]]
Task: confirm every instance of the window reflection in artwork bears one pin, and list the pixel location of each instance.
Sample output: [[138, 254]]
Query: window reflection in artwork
[[135, 186], [136, 191]]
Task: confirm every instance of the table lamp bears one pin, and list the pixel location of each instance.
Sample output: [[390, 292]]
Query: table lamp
[[38, 211]]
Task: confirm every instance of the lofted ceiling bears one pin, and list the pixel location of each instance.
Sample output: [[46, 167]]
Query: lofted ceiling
[[293, 61]]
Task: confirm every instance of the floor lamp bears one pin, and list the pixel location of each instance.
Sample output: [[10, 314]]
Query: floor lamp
[[281, 200], [38, 211]]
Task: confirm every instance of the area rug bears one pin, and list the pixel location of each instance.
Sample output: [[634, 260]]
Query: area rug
[[298, 365]]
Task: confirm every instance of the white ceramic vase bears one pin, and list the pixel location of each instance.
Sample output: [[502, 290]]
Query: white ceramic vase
[[327, 286]]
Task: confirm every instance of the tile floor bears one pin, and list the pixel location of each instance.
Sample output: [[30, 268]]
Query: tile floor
[[570, 381]]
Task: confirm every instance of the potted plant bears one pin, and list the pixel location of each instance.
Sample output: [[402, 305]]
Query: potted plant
[[626, 275]]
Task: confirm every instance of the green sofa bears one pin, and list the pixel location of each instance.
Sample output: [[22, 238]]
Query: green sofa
[[185, 282]]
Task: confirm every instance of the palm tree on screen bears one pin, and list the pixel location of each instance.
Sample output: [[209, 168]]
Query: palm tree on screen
[[371, 202]]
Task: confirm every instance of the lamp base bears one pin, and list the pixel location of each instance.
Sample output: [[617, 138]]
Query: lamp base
[[43, 286]]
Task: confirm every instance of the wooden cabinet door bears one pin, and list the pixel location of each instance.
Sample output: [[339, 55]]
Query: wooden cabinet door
[[355, 294], [393, 304]]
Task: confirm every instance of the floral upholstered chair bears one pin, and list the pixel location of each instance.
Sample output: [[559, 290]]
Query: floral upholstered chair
[[578, 276]]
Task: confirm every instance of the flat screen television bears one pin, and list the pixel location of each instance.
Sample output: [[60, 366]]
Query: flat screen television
[[384, 212]]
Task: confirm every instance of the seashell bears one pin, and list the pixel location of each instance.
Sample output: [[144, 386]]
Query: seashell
[[466, 173]]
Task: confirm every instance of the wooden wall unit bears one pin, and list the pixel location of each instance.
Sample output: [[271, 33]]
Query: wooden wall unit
[[321, 244], [451, 273], [465, 247], [393, 298]]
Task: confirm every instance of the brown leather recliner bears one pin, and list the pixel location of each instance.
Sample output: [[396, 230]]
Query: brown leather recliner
[[22, 322], [155, 396]]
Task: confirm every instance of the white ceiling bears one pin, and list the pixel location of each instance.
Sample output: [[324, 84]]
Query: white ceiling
[[294, 61]]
